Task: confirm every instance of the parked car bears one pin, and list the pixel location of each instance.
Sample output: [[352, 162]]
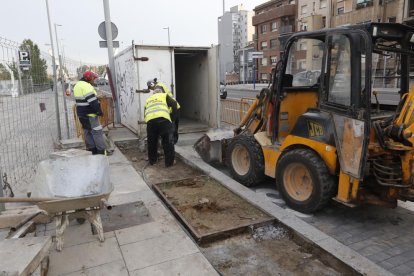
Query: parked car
[[101, 81], [223, 91]]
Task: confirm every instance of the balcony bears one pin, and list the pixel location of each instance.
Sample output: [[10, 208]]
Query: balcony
[[285, 10], [286, 29], [363, 4]]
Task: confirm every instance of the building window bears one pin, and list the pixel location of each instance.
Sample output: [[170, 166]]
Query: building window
[[264, 28], [291, 2], [303, 46], [263, 76], [274, 26], [273, 43], [341, 10], [392, 19], [273, 60], [302, 64], [322, 4], [304, 9], [324, 21], [264, 61], [264, 45], [304, 27]]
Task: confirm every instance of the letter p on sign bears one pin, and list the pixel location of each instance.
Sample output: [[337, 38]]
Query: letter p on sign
[[24, 58]]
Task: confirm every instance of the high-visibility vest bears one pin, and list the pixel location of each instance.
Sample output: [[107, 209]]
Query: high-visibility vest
[[166, 90], [156, 107], [85, 97]]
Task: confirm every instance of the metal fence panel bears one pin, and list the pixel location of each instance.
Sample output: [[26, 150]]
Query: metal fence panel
[[233, 110], [28, 127]]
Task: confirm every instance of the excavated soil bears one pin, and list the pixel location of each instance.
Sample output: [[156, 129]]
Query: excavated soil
[[209, 207], [267, 250]]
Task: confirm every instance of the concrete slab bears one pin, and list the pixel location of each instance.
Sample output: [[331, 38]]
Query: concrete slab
[[194, 264], [23, 256], [120, 134], [77, 234], [121, 177], [117, 157], [145, 231], [166, 247], [84, 256], [117, 268], [145, 195]]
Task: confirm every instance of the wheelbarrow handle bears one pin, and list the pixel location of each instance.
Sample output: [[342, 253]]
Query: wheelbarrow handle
[[27, 199]]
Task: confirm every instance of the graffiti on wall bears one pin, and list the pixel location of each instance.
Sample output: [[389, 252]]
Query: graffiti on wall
[[125, 82]]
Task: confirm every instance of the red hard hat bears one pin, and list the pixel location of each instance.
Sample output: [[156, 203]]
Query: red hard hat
[[90, 75]]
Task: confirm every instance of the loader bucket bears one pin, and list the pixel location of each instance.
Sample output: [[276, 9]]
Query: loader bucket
[[211, 146]]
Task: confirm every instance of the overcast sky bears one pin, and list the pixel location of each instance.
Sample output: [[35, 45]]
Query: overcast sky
[[191, 22]]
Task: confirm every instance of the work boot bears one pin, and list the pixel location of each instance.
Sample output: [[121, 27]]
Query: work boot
[[93, 150], [103, 152]]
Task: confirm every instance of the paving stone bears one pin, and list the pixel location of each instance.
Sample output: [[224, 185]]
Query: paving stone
[[378, 257], [122, 181], [77, 234], [117, 268], [398, 260], [402, 270], [145, 195], [386, 265], [145, 231], [163, 248], [194, 264], [84, 256]]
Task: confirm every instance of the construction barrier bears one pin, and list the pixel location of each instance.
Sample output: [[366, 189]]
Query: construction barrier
[[233, 110]]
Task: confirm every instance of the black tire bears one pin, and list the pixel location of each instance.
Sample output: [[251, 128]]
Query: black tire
[[253, 172], [315, 175]]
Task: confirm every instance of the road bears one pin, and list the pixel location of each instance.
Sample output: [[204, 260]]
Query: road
[[243, 90]]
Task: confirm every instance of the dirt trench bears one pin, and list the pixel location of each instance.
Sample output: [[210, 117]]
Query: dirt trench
[[270, 249]]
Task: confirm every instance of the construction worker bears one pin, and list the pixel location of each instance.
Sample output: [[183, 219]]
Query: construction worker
[[159, 119], [88, 109], [152, 84]]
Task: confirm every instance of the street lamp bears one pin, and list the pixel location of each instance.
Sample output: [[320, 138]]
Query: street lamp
[[65, 106]]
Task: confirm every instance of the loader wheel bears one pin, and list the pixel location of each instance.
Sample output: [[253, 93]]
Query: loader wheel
[[304, 181], [245, 160]]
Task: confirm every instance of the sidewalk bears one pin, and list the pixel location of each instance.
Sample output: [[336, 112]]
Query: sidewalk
[[160, 247]]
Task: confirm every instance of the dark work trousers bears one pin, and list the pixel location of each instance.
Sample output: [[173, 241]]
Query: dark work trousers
[[176, 122], [93, 134], [156, 128]]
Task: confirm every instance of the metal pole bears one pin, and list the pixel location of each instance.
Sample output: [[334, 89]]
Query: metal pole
[[171, 61], [65, 106], [111, 56], [54, 75], [224, 7], [2, 205]]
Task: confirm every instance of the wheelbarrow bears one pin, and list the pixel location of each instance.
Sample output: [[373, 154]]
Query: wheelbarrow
[[78, 186]]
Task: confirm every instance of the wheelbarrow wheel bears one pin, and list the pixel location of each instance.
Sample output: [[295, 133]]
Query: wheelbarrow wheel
[[80, 220]]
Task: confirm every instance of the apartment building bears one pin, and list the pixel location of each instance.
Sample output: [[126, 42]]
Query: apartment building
[[235, 31], [313, 14], [348, 12], [274, 21]]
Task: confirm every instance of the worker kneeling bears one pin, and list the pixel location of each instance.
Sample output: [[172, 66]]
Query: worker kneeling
[[159, 123]]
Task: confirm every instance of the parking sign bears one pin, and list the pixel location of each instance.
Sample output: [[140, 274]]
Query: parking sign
[[24, 58]]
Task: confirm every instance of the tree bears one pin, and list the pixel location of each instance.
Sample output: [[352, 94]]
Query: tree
[[38, 68]]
